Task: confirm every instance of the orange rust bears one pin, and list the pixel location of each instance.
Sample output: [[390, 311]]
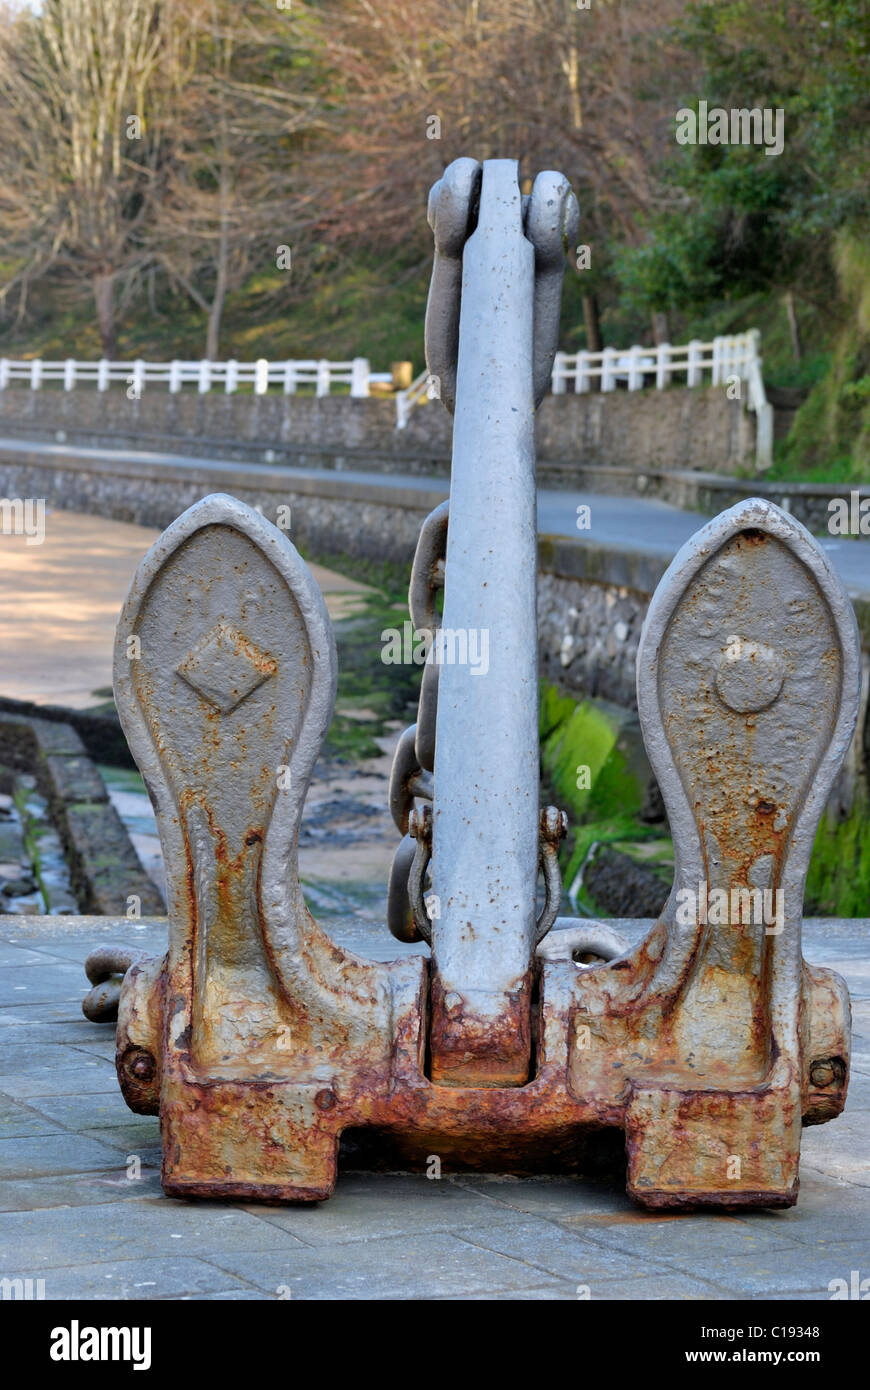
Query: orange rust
[[472, 1050]]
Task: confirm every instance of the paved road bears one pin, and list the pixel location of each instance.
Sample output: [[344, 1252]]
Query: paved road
[[650, 525], [616, 520], [77, 1213]]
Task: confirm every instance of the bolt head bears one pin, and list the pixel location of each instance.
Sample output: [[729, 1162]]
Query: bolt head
[[822, 1074], [142, 1066]]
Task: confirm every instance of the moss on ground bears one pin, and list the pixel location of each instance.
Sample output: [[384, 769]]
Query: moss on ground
[[384, 694], [608, 811], [838, 882], [31, 831], [594, 768]]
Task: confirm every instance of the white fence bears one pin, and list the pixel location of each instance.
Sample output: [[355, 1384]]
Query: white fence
[[422, 388], [726, 359], [659, 366], [205, 376]]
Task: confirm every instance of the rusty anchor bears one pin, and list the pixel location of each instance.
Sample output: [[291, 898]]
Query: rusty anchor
[[259, 1042]]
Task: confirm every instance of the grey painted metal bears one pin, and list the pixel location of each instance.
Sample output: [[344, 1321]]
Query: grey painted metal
[[452, 213], [775, 624], [552, 220], [748, 684], [486, 822]]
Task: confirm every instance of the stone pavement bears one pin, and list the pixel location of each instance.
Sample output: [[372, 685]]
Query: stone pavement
[[77, 1210]]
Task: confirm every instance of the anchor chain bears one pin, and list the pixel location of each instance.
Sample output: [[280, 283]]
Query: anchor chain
[[414, 760], [554, 827], [106, 968]]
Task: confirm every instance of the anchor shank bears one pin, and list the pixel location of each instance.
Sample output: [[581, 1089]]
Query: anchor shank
[[486, 817]]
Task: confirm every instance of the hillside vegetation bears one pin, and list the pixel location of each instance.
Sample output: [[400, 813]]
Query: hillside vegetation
[[245, 178]]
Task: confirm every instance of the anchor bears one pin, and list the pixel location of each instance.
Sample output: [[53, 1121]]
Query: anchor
[[259, 1041]]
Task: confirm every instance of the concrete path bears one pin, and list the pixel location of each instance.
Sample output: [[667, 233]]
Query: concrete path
[[647, 524], [639, 522], [59, 604], [81, 1205]]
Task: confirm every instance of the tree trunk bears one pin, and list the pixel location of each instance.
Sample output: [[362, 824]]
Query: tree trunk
[[793, 329], [592, 324], [104, 302], [213, 335], [212, 338], [660, 327], [571, 69]]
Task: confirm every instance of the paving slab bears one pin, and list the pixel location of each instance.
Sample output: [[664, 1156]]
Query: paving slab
[[77, 1189], [770, 1274], [437, 1265], [135, 1279], [76, 1212], [17, 1120], [393, 1205], [30, 1156], [150, 1227], [96, 1110]]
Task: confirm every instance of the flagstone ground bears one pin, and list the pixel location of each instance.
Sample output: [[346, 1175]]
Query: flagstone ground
[[71, 1214]]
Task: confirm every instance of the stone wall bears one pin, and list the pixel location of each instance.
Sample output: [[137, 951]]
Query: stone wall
[[679, 428], [330, 517], [103, 863], [592, 600], [588, 635]]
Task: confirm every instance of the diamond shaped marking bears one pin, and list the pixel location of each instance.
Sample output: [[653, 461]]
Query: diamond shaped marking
[[224, 667]]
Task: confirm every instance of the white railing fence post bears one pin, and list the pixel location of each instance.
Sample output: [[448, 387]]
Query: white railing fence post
[[103, 374], [323, 377], [204, 382], [174, 377], [359, 377], [290, 378], [635, 374], [663, 357], [717, 372], [609, 359], [261, 377], [35, 373], [581, 373], [557, 380], [69, 374], [418, 391], [4, 373], [232, 377], [694, 372]]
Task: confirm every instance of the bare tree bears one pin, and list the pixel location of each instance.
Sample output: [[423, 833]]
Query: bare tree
[[77, 157], [580, 90], [231, 189]]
